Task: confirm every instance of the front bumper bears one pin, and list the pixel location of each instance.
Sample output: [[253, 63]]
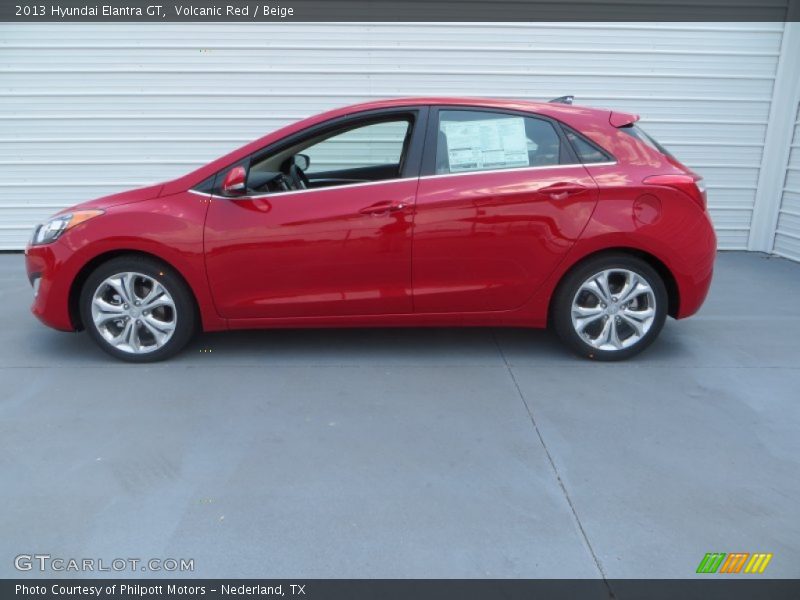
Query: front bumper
[[46, 273]]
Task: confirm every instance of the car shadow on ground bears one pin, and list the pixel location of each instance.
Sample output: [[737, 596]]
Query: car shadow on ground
[[406, 346], [430, 346]]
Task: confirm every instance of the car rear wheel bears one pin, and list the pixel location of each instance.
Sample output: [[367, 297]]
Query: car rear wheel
[[610, 307], [137, 309]]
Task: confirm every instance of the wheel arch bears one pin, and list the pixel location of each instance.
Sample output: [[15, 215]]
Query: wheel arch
[[673, 292], [87, 269]]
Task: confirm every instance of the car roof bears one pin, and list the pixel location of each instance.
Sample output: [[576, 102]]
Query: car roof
[[547, 108]]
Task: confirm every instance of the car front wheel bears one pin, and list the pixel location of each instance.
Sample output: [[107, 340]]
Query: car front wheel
[[610, 307], [137, 309]]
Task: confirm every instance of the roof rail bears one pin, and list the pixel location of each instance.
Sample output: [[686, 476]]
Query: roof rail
[[562, 100]]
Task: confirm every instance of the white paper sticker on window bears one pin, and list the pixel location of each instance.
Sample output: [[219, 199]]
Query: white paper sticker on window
[[486, 144]]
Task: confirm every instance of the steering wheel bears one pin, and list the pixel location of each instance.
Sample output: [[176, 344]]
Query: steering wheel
[[298, 177]]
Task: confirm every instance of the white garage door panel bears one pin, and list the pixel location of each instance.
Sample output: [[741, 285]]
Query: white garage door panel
[[86, 129], [384, 60], [682, 37], [793, 177], [730, 153], [129, 150], [725, 177], [791, 202], [461, 82], [52, 173], [732, 238], [739, 198], [680, 112], [88, 109]]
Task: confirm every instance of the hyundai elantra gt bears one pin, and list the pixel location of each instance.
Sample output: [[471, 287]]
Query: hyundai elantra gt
[[407, 212]]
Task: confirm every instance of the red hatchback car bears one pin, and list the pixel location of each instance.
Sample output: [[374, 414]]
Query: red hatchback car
[[408, 212]]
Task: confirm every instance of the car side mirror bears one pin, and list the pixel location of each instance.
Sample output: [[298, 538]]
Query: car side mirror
[[301, 161], [235, 182]]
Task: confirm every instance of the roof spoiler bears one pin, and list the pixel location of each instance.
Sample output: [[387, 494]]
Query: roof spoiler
[[621, 119], [562, 100]]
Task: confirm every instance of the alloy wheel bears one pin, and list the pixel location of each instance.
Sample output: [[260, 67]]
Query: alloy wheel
[[613, 309], [134, 313]]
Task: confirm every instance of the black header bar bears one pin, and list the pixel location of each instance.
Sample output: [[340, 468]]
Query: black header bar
[[397, 10]]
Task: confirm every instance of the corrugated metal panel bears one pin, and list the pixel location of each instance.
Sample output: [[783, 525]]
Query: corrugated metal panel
[[88, 109], [787, 233]]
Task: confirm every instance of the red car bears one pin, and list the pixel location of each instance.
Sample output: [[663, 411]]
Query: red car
[[407, 212]]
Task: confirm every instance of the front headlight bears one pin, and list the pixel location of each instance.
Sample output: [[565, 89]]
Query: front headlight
[[51, 230]]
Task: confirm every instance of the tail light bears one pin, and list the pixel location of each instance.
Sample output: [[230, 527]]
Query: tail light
[[694, 187]]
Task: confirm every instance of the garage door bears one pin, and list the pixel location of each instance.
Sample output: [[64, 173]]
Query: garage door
[[787, 233], [89, 109]]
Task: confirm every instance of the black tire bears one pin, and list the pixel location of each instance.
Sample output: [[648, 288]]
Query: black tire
[[561, 313], [184, 316]]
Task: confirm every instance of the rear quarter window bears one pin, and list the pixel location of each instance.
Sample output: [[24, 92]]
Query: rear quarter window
[[588, 152]]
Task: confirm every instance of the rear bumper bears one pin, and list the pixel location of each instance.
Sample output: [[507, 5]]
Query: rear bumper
[[695, 271], [45, 268]]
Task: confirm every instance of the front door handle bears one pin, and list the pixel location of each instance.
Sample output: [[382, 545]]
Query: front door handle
[[562, 189], [383, 208]]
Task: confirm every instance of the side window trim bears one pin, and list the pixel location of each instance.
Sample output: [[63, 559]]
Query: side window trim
[[432, 131], [411, 162]]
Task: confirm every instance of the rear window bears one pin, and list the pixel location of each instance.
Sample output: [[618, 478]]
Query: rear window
[[640, 134]]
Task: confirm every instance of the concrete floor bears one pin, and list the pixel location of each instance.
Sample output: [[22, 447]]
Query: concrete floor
[[412, 453]]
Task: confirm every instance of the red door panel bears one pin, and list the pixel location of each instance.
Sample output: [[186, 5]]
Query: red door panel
[[485, 241], [318, 252]]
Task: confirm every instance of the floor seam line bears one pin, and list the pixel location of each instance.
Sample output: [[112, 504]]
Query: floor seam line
[[549, 456]]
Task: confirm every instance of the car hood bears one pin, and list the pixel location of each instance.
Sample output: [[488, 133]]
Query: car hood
[[135, 195]]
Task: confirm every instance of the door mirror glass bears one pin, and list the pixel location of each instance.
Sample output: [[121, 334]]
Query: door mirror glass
[[302, 161], [234, 183]]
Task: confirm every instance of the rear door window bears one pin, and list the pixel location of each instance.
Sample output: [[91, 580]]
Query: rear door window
[[474, 140]]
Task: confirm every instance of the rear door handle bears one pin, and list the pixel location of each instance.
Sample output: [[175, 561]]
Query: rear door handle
[[562, 189], [383, 208]]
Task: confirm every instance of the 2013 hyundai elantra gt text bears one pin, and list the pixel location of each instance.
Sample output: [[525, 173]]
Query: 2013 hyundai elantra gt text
[[407, 212]]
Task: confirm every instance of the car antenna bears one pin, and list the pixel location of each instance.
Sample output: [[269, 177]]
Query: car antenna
[[562, 100]]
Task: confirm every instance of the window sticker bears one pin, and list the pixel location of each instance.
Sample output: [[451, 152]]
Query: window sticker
[[486, 144]]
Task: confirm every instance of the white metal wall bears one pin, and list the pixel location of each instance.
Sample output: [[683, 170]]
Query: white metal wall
[[787, 233], [89, 109]]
